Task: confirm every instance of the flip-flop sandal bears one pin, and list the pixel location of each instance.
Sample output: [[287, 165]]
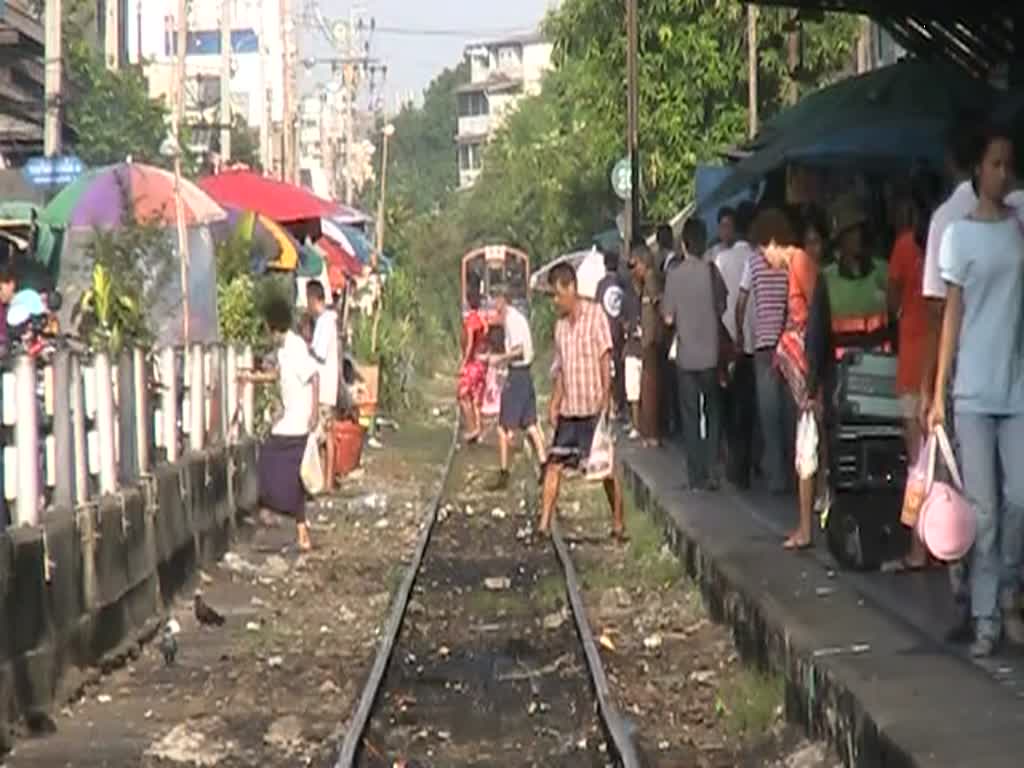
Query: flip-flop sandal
[[794, 546], [903, 565]]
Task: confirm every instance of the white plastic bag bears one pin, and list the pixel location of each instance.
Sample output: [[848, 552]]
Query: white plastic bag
[[806, 445], [601, 461], [311, 471]]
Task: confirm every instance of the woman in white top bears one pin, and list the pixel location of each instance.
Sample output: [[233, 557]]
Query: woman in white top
[[281, 488], [981, 260]]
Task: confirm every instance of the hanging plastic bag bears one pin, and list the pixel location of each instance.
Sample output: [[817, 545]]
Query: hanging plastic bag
[[917, 485], [311, 471], [947, 523], [806, 445], [601, 461]]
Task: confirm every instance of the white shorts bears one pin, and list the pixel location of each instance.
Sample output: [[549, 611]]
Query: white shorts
[[634, 367]]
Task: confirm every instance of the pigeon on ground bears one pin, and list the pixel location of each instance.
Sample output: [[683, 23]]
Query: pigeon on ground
[[169, 644], [205, 614]]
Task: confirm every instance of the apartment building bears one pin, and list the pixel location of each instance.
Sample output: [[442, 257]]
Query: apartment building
[[502, 72], [257, 50]]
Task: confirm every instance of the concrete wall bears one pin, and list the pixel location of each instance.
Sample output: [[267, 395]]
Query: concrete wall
[[88, 585]]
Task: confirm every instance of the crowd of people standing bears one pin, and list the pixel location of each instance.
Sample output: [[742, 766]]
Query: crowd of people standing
[[737, 349]]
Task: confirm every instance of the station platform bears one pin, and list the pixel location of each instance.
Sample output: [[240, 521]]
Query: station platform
[[863, 654]]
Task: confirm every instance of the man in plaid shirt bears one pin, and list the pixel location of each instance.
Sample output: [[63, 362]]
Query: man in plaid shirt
[[581, 393]]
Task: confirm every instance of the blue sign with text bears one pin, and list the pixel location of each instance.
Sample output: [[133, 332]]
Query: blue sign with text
[[52, 171]]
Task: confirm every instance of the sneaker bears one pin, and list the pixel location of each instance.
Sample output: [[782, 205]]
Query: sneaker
[[983, 647]]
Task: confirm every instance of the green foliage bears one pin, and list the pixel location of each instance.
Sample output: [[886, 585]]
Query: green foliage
[[545, 180], [421, 155], [131, 265], [110, 111], [245, 143], [403, 326], [693, 81]]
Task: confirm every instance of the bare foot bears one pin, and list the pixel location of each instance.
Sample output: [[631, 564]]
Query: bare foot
[[797, 541], [304, 542]]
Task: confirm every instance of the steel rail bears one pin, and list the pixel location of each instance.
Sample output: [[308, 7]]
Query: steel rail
[[361, 716], [618, 731]]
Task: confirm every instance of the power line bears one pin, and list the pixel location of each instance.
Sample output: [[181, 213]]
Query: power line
[[423, 32]]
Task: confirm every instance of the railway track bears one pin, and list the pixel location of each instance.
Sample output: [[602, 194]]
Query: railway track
[[488, 657]]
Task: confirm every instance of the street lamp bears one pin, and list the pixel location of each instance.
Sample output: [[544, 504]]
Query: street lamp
[[387, 132]]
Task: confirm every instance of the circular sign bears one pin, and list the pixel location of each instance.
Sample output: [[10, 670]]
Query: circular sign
[[622, 178]]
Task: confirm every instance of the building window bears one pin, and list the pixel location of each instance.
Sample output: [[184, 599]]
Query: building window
[[473, 104], [469, 157], [509, 58], [207, 42]]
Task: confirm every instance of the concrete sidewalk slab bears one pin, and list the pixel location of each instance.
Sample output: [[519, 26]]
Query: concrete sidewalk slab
[[858, 673]]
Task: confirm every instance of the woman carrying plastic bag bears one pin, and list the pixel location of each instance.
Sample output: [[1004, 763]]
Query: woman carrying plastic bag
[[981, 260]]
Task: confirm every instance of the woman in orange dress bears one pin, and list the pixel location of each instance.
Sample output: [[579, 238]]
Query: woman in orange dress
[[473, 370], [797, 356]]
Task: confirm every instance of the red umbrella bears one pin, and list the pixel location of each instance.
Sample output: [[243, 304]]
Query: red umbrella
[[340, 264], [274, 199]]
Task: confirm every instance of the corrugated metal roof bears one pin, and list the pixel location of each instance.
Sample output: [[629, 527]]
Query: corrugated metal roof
[[978, 36]]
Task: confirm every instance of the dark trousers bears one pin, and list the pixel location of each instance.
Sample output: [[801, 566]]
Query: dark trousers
[[671, 420], [777, 419], [619, 377], [740, 415], [699, 395]]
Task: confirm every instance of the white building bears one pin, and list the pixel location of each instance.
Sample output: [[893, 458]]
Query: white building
[[501, 73], [256, 62]]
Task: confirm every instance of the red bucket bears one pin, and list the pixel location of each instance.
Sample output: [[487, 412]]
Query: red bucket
[[348, 446]]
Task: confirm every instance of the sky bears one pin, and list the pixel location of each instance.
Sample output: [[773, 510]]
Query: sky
[[415, 59]]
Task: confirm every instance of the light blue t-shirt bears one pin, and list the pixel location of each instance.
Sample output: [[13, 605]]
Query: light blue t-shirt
[[986, 259]]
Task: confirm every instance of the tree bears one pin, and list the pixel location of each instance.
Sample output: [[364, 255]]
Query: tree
[[245, 143], [110, 111], [421, 154], [693, 80]]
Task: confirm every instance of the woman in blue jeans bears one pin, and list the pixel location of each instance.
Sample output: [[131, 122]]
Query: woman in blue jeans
[[982, 261]]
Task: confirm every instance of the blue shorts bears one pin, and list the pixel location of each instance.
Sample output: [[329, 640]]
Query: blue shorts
[[518, 401], [573, 439]]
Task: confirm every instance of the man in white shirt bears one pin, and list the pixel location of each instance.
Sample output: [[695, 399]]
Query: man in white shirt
[[739, 400], [518, 409], [325, 351], [297, 375]]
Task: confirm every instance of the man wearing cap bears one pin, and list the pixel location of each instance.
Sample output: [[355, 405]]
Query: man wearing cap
[[857, 283]]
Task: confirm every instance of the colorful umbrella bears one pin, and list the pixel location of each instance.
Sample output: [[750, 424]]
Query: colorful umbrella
[[274, 199], [16, 219], [271, 246], [340, 265], [355, 242], [108, 197]]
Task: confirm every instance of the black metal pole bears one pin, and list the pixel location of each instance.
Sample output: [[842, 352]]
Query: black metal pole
[[632, 217]]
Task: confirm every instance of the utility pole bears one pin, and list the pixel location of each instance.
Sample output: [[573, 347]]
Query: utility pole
[[287, 117], [225, 82], [112, 36], [349, 79], [632, 213], [179, 117], [54, 57], [752, 69], [865, 58]]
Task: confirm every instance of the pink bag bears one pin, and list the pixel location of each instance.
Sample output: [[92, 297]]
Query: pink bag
[[917, 486], [947, 524]]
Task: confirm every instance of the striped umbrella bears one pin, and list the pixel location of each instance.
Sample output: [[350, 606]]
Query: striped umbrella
[[107, 198]]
